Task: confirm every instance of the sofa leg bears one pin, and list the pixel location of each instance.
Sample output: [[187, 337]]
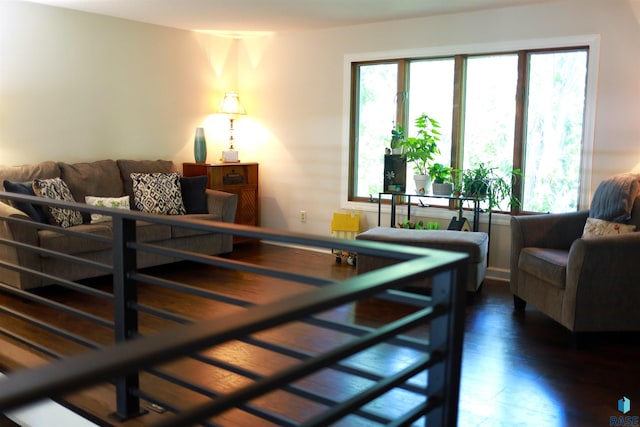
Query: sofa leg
[[518, 303]]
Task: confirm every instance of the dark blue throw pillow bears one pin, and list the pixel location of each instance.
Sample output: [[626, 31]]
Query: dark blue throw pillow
[[193, 194], [35, 212]]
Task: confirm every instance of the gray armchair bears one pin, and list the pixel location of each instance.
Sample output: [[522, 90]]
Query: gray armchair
[[585, 284]]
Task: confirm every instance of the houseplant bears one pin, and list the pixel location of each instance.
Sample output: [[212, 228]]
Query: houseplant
[[441, 178], [422, 149], [486, 181], [397, 136]]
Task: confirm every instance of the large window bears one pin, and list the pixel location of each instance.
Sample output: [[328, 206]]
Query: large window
[[516, 110]]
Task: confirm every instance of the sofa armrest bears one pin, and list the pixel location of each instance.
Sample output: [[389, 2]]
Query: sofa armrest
[[20, 233], [222, 204], [603, 276]]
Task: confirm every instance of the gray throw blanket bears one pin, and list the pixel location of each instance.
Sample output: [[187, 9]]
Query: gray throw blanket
[[614, 197]]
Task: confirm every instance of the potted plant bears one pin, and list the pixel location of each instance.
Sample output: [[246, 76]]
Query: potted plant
[[441, 179], [397, 136], [422, 149], [485, 181]]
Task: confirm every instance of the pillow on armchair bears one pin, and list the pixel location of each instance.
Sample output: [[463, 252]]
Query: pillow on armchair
[[614, 198], [599, 227]]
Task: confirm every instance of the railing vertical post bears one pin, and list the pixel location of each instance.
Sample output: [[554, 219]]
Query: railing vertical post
[[125, 291], [445, 337]]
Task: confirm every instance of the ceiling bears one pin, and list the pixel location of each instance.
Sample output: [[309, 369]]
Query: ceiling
[[273, 15]]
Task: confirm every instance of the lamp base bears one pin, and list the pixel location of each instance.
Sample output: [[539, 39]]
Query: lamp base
[[230, 156]]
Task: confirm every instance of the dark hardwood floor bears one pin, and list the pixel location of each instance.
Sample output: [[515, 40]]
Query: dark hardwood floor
[[517, 369]]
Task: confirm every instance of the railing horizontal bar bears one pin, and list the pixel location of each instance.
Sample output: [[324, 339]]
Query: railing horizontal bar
[[56, 305], [401, 341], [30, 343], [158, 312], [365, 396], [231, 264], [297, 390], [299, 355], [49, 328], [192, 290], [302, 369], [60, 281], [405, 297], [247, 407], [416, 413]]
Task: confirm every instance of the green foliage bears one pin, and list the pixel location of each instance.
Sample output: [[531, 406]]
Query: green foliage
[[486, 181], [440, 173], [420, 225], [414, 226], [422, 149]]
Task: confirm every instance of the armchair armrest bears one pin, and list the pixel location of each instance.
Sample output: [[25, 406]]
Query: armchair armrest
[[223, 205], [603, 276]]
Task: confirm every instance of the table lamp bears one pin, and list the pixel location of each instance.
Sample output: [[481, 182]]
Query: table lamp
[[231, 105]]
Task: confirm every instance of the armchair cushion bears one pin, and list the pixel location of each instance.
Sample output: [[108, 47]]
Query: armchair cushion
[[549, 265]]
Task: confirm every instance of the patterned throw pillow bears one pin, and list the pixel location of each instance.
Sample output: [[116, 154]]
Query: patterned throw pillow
[[599, 227], [55, 188], [158, 193], [106, 202]]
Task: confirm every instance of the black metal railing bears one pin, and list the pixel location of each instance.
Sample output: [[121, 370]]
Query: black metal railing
[[188, 352]]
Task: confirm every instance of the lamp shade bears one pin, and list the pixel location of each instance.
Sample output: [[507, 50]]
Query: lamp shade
[[231, 104]]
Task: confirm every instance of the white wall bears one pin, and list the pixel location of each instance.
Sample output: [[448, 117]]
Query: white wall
[[297, 87], [81, 87]]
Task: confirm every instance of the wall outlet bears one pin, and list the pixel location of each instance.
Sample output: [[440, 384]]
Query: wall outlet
[[303, 216]]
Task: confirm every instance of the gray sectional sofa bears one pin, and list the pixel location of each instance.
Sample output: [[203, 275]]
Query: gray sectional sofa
[[104, 178]]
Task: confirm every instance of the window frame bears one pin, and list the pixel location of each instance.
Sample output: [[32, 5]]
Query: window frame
[[522, 48]]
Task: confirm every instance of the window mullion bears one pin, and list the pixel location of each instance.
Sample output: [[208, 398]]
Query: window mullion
[[457, 131], [519, 137], [403, 90]]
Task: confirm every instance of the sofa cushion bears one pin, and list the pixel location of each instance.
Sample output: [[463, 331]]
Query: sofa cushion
[[100, 179], [549, 265], [34, 211], [56, 188], [158, 193], [44, 170], [106, 202], [127, 167], [74, 244]]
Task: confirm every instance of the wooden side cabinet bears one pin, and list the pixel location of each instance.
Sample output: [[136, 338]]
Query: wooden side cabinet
[[237, 178]]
